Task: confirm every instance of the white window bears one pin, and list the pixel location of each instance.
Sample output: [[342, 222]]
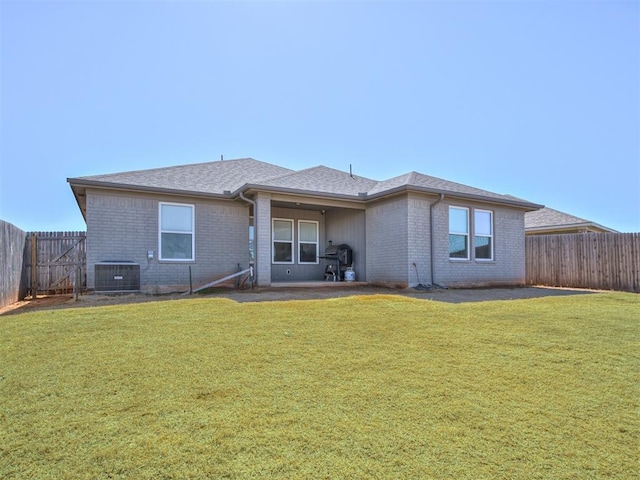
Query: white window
[[307, 241], [483, 231], [282, 234], [176, 232], [458, 233]]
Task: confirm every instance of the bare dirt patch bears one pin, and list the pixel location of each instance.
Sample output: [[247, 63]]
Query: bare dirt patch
[[42, 302], [294, 293]]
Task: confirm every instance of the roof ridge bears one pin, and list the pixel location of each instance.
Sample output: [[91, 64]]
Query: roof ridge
[[318, 167], [460, 184], [340, 171], [171, 167], [288, 174], [389, 180]]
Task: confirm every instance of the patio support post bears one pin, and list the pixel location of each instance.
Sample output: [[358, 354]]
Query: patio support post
[[262, 222]]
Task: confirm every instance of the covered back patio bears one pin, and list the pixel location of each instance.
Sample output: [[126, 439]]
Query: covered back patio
[[293, 236]]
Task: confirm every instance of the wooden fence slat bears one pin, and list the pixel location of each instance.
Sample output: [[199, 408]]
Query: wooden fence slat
[[607, 261], [58, 254], [13, 286], [39, 262]]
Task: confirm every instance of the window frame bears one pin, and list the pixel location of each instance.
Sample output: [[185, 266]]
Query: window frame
[[273, 242], [316, 243], [490, 236], [192, 232], [465, 234]]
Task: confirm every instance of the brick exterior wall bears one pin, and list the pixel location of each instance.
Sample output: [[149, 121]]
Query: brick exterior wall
[[387, 238], [398, 235], [508, 265], [125, 227], [419, 240]]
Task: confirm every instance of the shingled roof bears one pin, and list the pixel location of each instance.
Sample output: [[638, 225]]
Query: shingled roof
[[208, 178], [321, 179], [548, 219], [430, 184], [230, 177]]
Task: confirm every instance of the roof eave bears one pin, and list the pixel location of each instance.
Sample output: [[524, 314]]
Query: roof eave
[[250, 187], [247, 188], [145, 188], [528, 206], [82, 204]]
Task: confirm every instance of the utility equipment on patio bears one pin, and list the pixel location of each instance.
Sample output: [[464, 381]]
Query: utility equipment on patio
[[339, 258]]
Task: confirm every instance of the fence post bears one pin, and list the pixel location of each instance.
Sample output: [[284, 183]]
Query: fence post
[[75, 283], [34, 265]]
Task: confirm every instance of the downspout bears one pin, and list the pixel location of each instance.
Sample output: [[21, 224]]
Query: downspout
[[255, 234], [248, 200], [431, 241]]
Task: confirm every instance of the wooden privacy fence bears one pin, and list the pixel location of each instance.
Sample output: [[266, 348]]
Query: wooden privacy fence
[[607, 261], [13, 286], [55, 261]]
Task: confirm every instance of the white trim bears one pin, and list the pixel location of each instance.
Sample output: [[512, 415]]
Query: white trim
[[192, 232], [273, 241], [490, 236], [466, 234], [316, 243]]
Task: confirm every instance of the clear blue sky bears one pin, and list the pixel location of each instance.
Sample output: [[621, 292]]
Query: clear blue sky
[[538, 99]]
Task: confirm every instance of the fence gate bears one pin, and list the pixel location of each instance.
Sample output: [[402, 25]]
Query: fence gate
[[55, 262]]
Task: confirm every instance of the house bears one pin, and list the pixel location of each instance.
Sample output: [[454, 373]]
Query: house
[[194, 223], [548, 221]]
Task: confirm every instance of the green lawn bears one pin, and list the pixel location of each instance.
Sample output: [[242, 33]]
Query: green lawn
[[364, 387]]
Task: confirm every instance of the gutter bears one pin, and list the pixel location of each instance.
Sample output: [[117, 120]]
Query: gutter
[[248, 200], [78, 182], [359, 198], [431, 241], [461, 195]]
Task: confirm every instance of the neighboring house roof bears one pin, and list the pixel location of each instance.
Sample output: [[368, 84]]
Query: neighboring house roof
[[548, 220], [228, 178]]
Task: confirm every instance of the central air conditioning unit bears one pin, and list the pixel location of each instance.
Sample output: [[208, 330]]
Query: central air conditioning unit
[[117, 276]]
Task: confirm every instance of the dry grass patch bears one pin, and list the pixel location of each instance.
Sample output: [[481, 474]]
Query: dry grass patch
[[365, 387]]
